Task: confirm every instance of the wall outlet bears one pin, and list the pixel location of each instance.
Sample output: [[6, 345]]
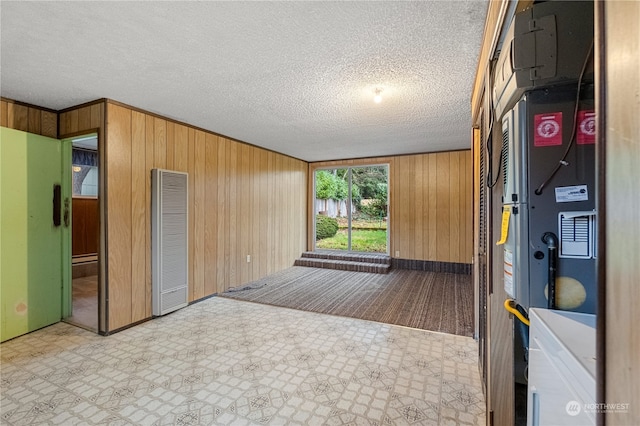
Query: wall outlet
[[397, 253], [248, 258]]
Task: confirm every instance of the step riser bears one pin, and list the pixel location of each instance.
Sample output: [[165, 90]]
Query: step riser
[[383, 260], [343, 266]]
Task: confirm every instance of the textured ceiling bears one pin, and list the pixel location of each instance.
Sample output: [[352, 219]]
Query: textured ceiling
[[294, 77]]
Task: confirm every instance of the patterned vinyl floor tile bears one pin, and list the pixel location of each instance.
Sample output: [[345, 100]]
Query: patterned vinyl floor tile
[[229, 362]]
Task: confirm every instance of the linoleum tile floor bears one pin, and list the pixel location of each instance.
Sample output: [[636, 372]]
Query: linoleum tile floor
[[229, 362]]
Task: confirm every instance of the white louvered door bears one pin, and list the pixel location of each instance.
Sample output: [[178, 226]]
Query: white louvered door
[[169, 241]]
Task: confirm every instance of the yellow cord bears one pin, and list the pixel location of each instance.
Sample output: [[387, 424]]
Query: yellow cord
[[514, 311]]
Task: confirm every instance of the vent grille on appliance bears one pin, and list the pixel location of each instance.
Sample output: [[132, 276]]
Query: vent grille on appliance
[[505, 156], [576, 234], [169, 240]]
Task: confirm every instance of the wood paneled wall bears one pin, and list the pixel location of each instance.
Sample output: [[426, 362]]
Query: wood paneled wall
[[85, 232], [28, 118], [82, 119], [430, 204], [243, 201], [622, 219]]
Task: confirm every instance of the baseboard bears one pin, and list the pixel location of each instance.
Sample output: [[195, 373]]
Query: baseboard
[[84, 258], [86, 269], [431, 266]]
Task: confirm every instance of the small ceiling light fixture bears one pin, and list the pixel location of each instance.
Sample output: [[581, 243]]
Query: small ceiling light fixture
[[378, 97]]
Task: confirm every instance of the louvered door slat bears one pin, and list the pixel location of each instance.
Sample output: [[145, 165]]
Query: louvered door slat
[[169, 240]]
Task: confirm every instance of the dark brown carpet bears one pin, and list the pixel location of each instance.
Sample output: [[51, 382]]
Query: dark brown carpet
[[427, 300]]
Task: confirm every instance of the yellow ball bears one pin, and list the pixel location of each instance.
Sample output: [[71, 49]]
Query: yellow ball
[[570, 293]]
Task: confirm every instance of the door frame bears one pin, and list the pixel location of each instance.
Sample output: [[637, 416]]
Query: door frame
[[68, 289]]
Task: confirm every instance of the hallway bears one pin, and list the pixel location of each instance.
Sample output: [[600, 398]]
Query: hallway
[[223, 361]]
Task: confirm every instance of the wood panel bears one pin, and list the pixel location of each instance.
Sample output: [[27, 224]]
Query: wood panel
[[255, 219], [119, 232], [28, 118], [171, 138], [622, 228], [4, 113], [401, 219], [198, 206], [419, 219], [19, 116], [237, 193], [84, 224], [243, 228], [263, 208], [191, 152], [430, 210], [139, 295], [222, 209], [85, 118], [432, 241], [443, 200], [232, 214], [149, 164], [278, 202], [34, 121], [210, 211]]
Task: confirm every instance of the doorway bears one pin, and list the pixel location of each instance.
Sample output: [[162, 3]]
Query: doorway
[[84, 232], [351, 209]]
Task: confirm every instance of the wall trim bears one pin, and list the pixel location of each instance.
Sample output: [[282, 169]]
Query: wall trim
[[83, 105], [432, 266], [381, 157]]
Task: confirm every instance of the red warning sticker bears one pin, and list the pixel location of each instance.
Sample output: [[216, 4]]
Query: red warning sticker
[[586, 127], [548, 129]]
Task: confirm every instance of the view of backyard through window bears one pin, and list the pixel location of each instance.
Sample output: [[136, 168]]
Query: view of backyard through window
[[351, 209]]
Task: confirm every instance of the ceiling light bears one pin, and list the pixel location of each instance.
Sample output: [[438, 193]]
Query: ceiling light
[[77, 169], [378, 97]]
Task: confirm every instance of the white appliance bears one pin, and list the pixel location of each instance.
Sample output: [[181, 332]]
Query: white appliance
[[169, 241], [562, 368]]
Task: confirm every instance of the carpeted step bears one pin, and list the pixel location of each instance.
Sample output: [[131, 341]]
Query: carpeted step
[[349, 257], [343, 265]]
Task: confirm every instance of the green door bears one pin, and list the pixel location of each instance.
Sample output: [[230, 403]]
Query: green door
[[34, 247]]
